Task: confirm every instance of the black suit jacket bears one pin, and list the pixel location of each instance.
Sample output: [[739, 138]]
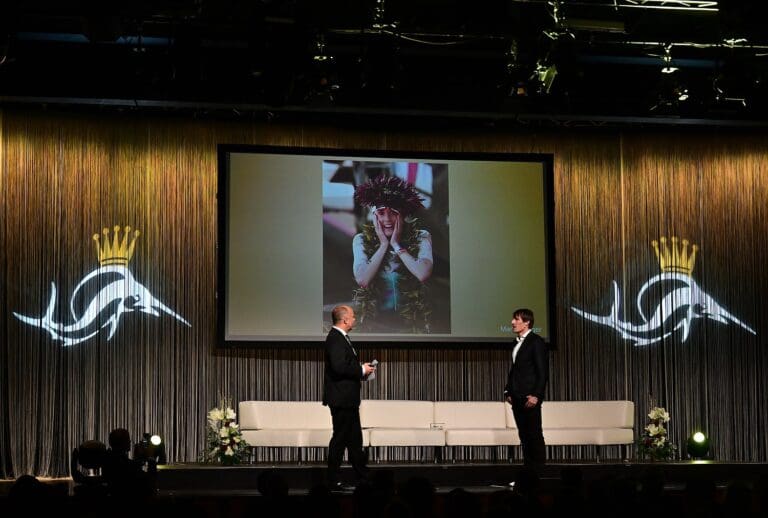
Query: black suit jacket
[[530, 372], [343, 373]]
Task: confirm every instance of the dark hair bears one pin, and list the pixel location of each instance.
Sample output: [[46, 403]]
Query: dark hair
[[526, 315], [120, 440]]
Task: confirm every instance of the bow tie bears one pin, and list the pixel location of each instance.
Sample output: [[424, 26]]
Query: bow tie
[[520, 339]]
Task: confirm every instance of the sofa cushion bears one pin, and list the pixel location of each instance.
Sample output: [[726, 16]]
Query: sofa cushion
[[579, 436], [296, 438], [470, 414], [406, 437], [616, 436], [293, 438], [510, 416], [284, 415], [376, 413], [587, 414], [482, 437]]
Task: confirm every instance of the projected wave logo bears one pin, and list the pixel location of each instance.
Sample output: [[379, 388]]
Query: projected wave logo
[[103, 295], [682, 300]]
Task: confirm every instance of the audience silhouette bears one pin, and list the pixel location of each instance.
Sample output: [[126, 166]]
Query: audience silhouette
[[108, 481]]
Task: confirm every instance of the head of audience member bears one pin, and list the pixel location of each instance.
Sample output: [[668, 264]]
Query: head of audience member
[[419, 494], [27, 488], [120, 441]]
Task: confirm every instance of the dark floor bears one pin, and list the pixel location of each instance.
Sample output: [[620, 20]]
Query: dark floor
[[610, 488], [474, 476]]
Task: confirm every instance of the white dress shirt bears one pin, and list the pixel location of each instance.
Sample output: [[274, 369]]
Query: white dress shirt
[[519, 342]]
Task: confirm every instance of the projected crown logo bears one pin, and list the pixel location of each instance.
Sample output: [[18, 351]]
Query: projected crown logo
[[117, 251], [114, 292], [678, 298], [675, 258]]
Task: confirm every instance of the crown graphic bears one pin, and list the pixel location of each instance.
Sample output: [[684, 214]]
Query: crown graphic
[[678, 259], [118, 251]]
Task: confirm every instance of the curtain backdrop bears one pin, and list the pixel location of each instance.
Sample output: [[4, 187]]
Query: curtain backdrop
[[65, 177]]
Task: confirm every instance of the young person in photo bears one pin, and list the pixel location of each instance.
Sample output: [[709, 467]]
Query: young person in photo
[[392, 259]]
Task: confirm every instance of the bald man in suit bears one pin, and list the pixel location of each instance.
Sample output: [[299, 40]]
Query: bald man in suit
[[341, 392]]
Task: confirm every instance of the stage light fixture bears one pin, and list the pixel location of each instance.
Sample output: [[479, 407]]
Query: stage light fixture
[[545, 75], [517, 79], [150, 450], [671, 96], [668, 67], [90, 455], [320, 56], [698, 445], [729, 93]]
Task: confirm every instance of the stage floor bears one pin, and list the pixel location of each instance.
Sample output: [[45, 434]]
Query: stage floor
[[200, 479], [194, 479]]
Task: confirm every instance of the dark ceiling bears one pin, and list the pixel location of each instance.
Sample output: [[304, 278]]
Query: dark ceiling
[[589, 60]]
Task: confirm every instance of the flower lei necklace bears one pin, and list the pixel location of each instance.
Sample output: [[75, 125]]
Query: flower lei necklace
[[415, 309]]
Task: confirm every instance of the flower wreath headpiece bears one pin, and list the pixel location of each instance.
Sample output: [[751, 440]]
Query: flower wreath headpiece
[[389, 191]]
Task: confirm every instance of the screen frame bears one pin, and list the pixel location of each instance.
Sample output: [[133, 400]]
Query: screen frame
[[222, 240]]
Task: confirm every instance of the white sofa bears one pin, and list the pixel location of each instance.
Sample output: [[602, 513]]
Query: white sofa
[[442, 423], [302, 424]]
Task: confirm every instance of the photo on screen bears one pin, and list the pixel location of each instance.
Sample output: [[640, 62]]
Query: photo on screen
[[386, 245], [428, 248]]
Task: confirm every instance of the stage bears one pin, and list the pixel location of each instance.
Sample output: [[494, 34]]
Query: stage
[[204, 479], [610, 488]]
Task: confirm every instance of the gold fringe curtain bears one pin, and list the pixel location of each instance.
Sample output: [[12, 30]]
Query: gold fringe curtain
[[65, 177]]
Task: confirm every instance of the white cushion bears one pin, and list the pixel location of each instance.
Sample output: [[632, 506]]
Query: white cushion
[[616, 436], [575, 436], [406, 437], [297, 438], [482, 437], [587, 414], [470, 414], [284, 415], [293, 438], [376, 413], [510, 416]]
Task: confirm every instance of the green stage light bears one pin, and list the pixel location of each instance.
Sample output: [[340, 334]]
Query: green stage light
[[698, 445]]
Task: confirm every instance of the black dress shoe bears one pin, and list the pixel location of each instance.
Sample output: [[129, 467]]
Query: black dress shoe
[[340, 487]]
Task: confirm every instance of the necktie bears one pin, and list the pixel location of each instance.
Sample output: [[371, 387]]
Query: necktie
[[350, 344]]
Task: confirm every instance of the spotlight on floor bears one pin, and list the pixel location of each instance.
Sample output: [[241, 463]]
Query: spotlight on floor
[[150, 450], [698, 446], [89, 456]]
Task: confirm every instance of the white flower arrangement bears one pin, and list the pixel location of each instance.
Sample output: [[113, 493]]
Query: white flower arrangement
[[654, 442], [225, 443], [659, 414]]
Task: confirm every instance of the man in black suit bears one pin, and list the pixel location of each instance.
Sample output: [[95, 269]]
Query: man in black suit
[[341, 392], [525, 387]]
